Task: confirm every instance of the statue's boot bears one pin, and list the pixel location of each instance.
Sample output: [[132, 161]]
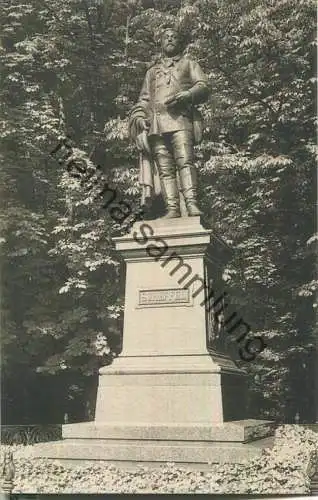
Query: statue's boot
[[172, 199], [188, 183]]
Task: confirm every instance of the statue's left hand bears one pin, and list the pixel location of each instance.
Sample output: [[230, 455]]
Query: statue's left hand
[[183, 97]]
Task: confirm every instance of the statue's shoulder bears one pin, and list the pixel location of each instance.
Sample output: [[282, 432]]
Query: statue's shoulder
[[149, 70], [188, 59], [155, 62]]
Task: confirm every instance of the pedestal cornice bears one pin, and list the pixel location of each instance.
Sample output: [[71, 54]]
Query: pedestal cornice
[[185, 236]]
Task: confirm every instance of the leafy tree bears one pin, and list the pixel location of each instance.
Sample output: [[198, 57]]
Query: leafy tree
[[74, 68]]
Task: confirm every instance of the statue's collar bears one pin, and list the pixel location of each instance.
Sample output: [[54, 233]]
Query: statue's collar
[[170, 61]]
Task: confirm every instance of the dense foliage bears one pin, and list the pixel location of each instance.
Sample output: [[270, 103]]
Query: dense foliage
[[75, 67]]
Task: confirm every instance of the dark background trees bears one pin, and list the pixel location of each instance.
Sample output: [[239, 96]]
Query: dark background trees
[[75, 67]]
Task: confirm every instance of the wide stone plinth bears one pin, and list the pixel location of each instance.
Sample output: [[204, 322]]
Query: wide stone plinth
[[188, 445], [240, 431]]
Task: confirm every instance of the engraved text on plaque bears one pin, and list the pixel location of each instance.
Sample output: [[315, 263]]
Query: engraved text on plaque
[[177, 296]]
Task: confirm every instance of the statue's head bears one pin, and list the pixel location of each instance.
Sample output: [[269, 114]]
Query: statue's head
[[172, 42]]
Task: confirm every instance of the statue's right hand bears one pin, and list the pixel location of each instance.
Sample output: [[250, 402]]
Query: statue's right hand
[[143, 124], [142, 143]]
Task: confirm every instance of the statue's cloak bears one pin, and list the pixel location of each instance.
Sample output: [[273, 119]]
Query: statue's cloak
[[148, 171]]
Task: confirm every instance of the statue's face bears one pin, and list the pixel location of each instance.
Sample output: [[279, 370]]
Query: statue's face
[[170, 43]]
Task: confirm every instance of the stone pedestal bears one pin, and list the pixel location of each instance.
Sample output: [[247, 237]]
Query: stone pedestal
[[170, 396], [165, 373]]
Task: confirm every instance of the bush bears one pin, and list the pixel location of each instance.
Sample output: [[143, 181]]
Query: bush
[[30, 434]]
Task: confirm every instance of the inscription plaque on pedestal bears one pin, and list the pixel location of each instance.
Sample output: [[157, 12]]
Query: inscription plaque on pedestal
[[164, 297]]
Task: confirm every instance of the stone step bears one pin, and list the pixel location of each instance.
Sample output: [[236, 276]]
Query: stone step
[[136, 451], [242, 431]]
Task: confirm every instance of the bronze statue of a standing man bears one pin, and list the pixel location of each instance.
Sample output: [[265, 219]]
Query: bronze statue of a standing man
[[165, 123]]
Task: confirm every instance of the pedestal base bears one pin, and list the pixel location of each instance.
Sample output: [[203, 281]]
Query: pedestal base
[[170, 390]]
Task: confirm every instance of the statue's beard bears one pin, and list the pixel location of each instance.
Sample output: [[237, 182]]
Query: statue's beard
[[171, 50]]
